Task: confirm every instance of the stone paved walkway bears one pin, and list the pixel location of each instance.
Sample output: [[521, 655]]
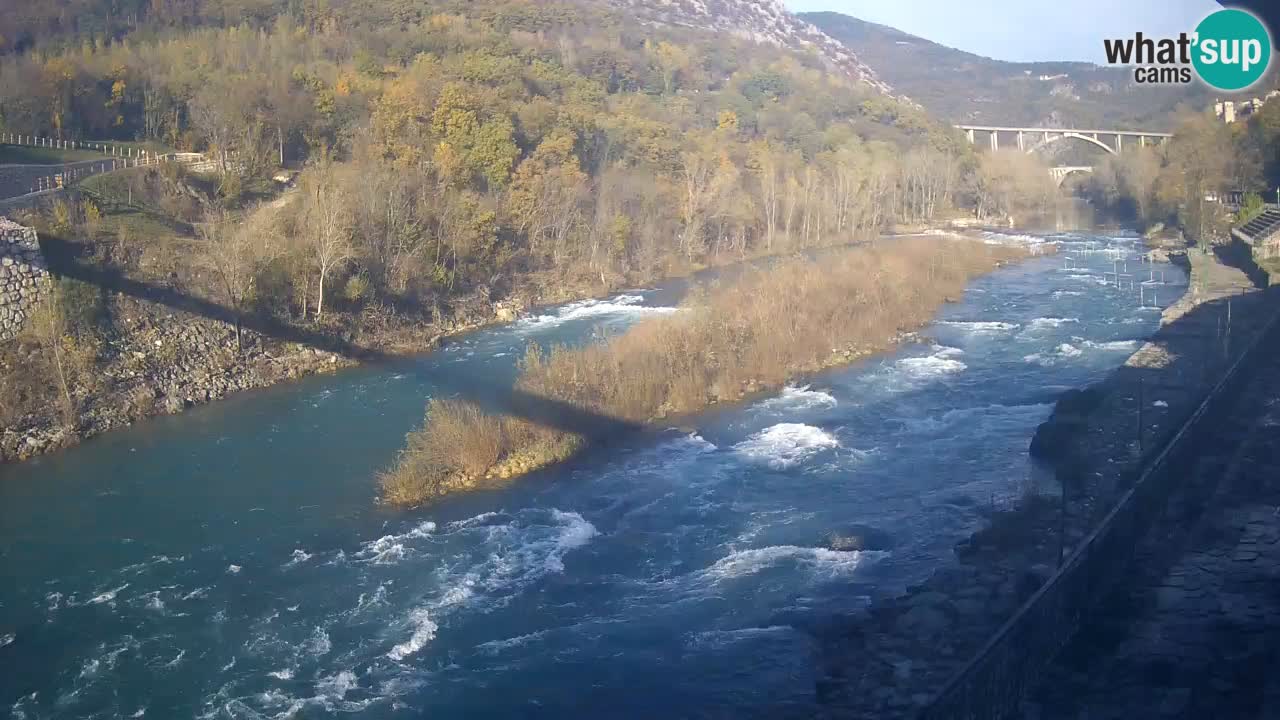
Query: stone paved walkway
[[1199, 636]]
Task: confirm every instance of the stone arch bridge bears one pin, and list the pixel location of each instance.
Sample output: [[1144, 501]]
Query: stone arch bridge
[[1030, 140]]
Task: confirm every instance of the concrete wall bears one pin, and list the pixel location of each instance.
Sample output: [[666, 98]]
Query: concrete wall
[[23, 276]]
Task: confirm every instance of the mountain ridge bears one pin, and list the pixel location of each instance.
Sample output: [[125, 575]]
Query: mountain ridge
[[963, 87]]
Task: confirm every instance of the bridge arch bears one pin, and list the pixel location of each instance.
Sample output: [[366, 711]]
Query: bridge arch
[[1074, 135], [1060, 174]]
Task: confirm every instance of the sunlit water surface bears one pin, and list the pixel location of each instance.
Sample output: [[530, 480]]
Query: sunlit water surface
[[231, 563]]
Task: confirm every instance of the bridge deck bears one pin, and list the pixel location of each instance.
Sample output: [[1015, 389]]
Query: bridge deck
[[1124, 133]]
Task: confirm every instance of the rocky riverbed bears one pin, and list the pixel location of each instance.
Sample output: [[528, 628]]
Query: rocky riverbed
[[157, 360]]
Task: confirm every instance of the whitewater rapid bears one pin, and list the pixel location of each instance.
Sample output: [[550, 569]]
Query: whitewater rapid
[[229, 562]]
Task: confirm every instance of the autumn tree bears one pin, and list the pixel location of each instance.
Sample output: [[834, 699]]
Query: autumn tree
[[233, 250]]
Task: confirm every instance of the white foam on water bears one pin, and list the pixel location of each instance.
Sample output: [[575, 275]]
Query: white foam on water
[[980, 326], [786, 444], [423, 632], [423, 530], [154, 602], [946, 351], [576, 533], [386, 550], [621, 305], [7, 639], [798, 398], [285, 674], [931, 366], [1115, 345], [505, 554], [177, 660], [299, 556], [993, 237], [1067, 293], [107, 596], [1160, 404], [234, 569], [820, 561], [1051, 358], [337, 686], [1051, 322], [196, 594], [1087, 277], [318, 644], [685, 447], [369, 601], [481, 519]]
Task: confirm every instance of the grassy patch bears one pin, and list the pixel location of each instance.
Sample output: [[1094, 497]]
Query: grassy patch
[[754, 333]]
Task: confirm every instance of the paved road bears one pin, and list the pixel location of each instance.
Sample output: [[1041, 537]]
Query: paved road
[[1198, 635], [16, 180]]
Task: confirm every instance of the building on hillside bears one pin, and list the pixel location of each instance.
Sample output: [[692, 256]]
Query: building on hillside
[[1229, 111]]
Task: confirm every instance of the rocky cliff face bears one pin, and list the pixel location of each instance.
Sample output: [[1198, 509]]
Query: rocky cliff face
[[764, 21]]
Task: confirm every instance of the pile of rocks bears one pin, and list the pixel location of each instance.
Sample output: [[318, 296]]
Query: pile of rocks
[[22, 276]]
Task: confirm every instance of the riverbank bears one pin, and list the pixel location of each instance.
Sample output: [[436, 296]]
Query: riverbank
[[167, 349], [755, 333], [709, 542], [889, 662]]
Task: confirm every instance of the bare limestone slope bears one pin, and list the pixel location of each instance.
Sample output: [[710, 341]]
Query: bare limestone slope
[[763, 21]]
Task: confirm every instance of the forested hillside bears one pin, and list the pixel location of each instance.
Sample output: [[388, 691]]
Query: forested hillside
[[467, 142], [454, 155]]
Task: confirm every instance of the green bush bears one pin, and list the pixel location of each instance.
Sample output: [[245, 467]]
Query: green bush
[[356, 289]]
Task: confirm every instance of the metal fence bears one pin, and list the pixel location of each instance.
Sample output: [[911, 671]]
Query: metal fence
[[993, 683], [74, 172], [106, 148]]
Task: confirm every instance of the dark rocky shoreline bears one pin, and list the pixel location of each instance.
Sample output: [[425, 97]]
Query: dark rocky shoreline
[[161, 361], [889, 661]]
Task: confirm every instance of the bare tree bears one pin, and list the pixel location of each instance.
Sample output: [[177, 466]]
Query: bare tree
[[325, 225], [234, 251]]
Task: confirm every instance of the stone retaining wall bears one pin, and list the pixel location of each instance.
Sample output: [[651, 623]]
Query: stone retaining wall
[[23, 276]]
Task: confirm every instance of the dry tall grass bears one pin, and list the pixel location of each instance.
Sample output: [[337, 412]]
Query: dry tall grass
[[755, 333]]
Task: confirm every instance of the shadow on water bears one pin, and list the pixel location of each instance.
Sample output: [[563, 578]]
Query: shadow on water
[[494, 398]]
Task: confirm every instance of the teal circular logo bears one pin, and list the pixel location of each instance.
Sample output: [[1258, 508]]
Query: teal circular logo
[[1232, 49]]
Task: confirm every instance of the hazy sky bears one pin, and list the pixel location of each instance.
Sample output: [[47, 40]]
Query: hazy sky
[[1025, 30]]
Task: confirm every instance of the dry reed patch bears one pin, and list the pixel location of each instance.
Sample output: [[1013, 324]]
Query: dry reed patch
[[754, 333]]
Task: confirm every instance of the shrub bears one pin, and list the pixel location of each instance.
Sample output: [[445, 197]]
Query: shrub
[[356, 289]]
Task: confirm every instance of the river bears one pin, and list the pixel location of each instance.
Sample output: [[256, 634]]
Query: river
[[230, 562]]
